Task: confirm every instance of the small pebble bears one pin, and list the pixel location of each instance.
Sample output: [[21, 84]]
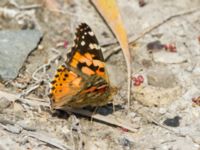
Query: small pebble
[[162, 111], [4, 103], [126, 143], [172, 122]]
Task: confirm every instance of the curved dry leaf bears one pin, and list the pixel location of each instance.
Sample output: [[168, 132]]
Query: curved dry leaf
[[110, 11]]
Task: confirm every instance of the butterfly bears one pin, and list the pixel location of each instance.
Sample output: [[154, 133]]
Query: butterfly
[[82, 80]]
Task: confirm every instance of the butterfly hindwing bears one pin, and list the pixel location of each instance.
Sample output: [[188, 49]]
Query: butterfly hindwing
[[64, 85]]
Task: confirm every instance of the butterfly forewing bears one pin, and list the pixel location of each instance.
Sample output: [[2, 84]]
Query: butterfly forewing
[[86, 54], [86, 42]]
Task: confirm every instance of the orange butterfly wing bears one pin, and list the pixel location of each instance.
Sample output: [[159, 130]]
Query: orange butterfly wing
[[64, 85], [83, 80]]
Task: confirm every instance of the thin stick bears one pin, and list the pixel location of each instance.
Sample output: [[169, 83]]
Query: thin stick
[[14, 97], [149, 30], [47, 139], [27, 7], [26, 92], [36, 103], [133, 40]]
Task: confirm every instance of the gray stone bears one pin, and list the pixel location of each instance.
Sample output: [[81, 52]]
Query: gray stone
[[14, 49], [125, 142], [4, 103]]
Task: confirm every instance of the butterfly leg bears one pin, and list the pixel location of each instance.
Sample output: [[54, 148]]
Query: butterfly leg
[[113, 107], [94, 112]]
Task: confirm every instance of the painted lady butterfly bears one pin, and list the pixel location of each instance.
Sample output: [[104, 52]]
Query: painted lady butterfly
[[82, 80]]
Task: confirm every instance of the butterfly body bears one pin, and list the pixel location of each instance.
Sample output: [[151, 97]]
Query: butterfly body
[[82, 80]]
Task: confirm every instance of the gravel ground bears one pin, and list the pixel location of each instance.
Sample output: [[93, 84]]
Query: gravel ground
[[164, 109]]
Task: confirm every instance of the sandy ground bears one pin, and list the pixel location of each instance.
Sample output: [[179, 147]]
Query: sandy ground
[[164, 109]]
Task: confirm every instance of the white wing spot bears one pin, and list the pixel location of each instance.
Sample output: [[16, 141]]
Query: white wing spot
[[83, 37], [85, 33], [82, 43], [95, 46], [91, 33], [91, 46]]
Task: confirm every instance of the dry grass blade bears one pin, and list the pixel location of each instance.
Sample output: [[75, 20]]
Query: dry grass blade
[[150, 29], [109, 10]]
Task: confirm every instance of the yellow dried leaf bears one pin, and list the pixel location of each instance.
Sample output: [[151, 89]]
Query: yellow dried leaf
[[110, 11]]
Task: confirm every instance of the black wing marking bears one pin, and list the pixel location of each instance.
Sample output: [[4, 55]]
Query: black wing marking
[[85, 42]]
